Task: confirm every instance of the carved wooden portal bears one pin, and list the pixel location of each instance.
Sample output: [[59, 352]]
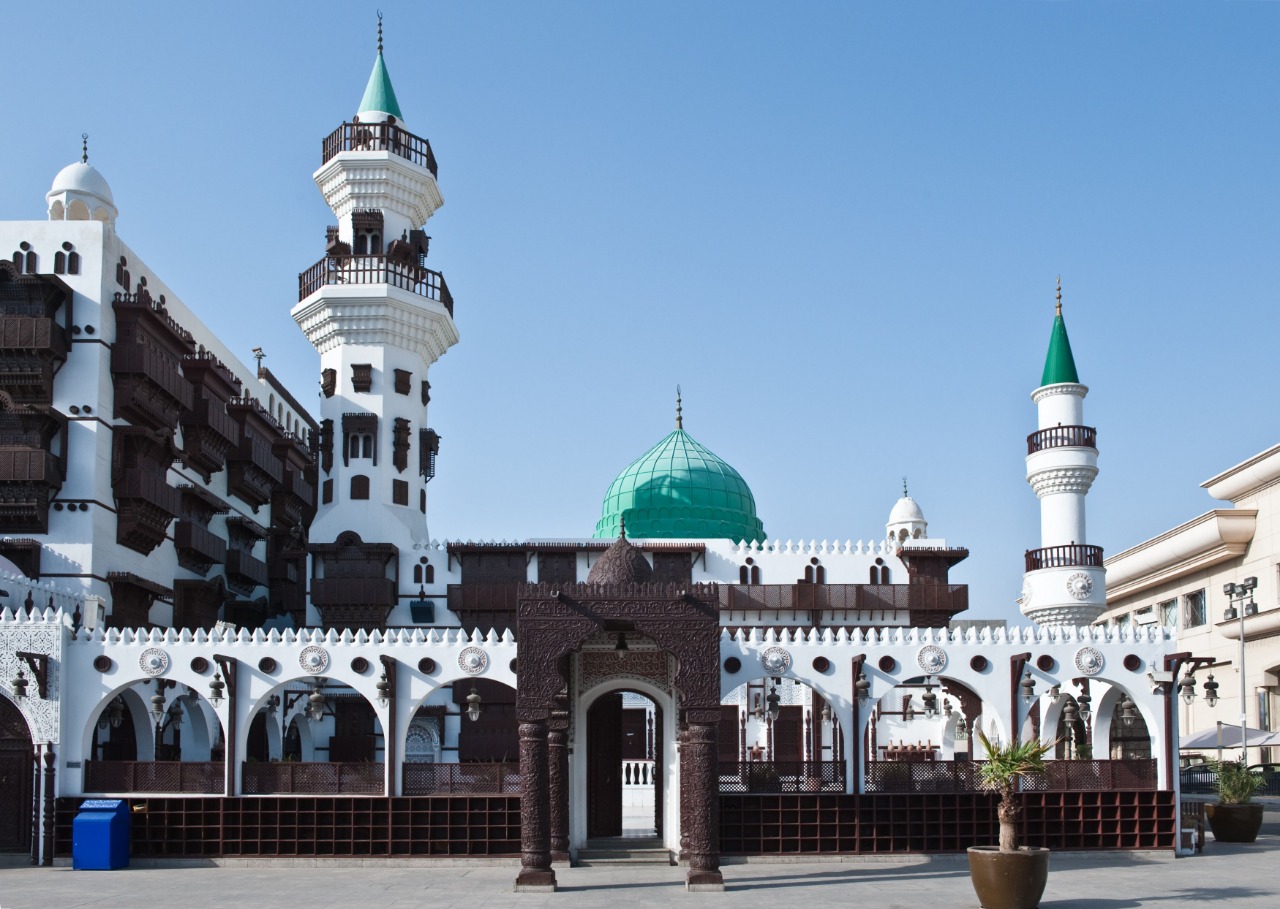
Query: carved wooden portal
[[15, 780], [552, 621], [604, 769]]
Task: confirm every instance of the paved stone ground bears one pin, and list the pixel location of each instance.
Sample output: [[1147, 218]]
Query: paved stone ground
[[1239, 877]]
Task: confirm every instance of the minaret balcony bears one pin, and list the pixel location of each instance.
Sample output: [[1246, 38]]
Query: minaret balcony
[[1073, 555], [376, 270], [1062, 437], [373, 137]]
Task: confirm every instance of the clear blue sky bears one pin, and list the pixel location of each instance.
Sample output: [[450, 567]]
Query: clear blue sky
[[836, 225]]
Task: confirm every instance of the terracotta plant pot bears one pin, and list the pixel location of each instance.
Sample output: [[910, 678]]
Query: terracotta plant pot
[[1008, 880], [1234, 823]]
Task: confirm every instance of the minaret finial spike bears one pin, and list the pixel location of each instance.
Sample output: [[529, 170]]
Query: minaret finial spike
[[622, 526], [904, 487], [1058, 309], [379, 32], [679, 410], [84, 148]]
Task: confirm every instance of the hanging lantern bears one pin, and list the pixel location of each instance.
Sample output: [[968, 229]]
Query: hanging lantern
[[473, 705], [115, 713], [19, 685], [862, 688], [1028, 688], [946, 708], [1128, 711], [316, 702], [273, 702], [621, 648], [384, 689], [1084, 701], [1187, 688], [1069, 715], [826, 714], [1054, 693], [1210, 691], [216, 687], [774, 702]]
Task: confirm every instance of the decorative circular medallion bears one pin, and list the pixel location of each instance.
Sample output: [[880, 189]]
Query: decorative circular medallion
[[775, 660], [1089, 661], [314, 660], [1080, 585], [154, 661], [932, 658], [473, 660]]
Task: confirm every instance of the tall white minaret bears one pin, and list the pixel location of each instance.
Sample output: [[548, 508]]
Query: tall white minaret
[[1065, 583], [379, 318]]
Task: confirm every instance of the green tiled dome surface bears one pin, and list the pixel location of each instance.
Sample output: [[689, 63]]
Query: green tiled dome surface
[[680, 489]]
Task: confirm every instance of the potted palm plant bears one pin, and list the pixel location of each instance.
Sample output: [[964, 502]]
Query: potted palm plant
[[1236, 818], [1009, 876]]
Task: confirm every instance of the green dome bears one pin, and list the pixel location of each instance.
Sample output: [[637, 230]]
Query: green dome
[[680, 489]]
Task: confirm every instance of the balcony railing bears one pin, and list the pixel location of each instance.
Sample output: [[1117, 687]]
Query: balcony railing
[[246, 569], [312, 777], [412, 277], [782, 776], [29, 465], [379, 137], [964, 776], [470, 779], [154, 776], [199, 541], [148, 486], [841, 602], [1062, 437], [349, 591], [1070, 556], [129, 358], [33, 333]]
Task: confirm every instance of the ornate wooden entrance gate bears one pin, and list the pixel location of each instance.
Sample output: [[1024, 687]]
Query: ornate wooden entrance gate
[[683, 620], [16, 770]]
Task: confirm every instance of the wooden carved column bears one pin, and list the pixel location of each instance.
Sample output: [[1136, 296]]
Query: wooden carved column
[[558, 784], [681, 740], [50, 761], [535, 808], [701, 804]]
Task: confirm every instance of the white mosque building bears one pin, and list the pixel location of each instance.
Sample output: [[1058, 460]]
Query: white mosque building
[[231, 611]]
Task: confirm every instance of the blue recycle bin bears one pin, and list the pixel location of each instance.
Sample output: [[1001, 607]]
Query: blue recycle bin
[[100, 835]]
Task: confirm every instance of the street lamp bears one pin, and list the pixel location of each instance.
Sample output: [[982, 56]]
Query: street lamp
[[1028, 688], [930, 700], [1210, 691], [774, 702], [1128, 711], [1238, 593]]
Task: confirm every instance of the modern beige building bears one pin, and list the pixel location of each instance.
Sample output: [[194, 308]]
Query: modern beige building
[[1179, 579]]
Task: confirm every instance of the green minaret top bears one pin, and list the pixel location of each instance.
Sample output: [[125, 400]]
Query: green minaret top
[[379, 96], [1059, 365]]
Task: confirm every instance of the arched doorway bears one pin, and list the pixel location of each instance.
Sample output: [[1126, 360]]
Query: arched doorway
[[624, 778], [16, 769]]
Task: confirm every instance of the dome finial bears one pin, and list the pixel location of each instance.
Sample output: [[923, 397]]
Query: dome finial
[[904, 487], [622, 526], [1058, 308], [379, 32], [679, 410], [84, 148]]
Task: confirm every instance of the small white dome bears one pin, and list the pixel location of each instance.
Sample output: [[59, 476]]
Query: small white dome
[[82, 178], [905, 511]]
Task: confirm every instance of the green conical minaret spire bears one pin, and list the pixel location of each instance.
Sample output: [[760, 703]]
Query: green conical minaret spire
[[379, 96], [1059, 365]]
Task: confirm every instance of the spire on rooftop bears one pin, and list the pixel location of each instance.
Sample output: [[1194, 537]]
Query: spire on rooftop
[[379, 96], [679, 409], [1059, 365]]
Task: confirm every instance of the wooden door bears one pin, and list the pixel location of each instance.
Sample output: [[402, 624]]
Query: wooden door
[[788, 735], [604, 766], [16, 768]]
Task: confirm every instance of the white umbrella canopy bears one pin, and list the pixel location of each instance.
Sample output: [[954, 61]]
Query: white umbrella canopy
[[1225, 735]]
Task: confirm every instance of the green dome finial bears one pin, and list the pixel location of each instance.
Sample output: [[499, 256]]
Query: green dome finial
[[379, 96], [679, 489], [1059, 365]]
